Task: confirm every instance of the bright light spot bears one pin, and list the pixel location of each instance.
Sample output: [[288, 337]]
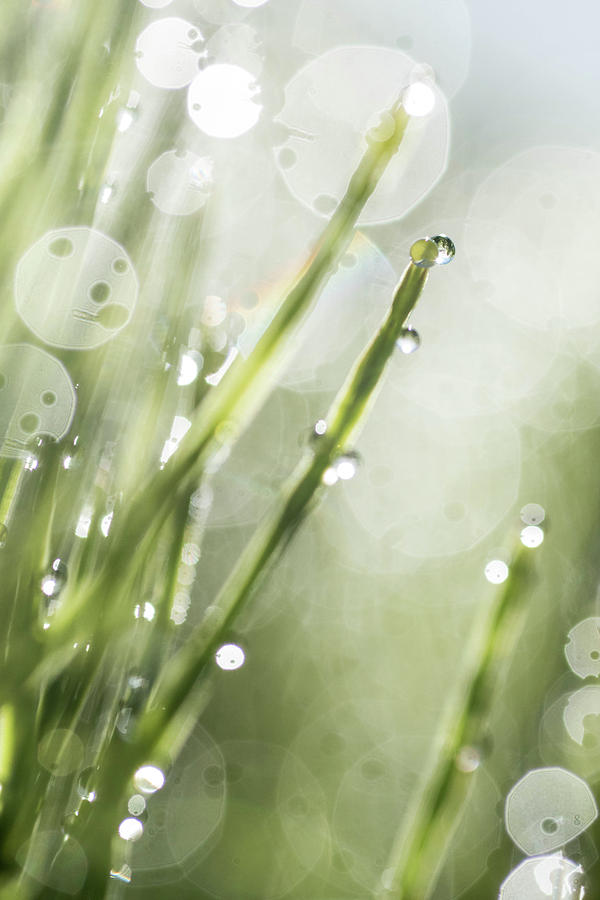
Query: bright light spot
[[418, 99], [67, 462], [106, 192], [230, 657], [125, 119], [330, 476], [496, 571], [82, 529], [180, 426], [216, 377], [221, 101], [106, 523], [149, 612], [46, 626], [149, 779], [49, 585], [320, 427], [188, 369], [346, 466], [131, 829], [136, 805], [31, 463], [468, 760], [122, 874], [532, 536]]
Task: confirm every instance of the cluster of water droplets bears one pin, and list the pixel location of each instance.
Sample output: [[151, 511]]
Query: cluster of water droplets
[[497, 569]]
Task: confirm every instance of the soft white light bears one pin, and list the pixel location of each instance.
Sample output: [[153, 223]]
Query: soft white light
[[188, 370], [329, 476], [149, 612], [179, 427], [418, 99], [131, 829], [125, 119], [67, 462], [320, 427], [346, 468], [149, 779], [48, 585], [221, 101], [230, 657], [84, 522], [166, 52], [106, 523], [496, 571], [532, 536], [155, 4], [250, 4]]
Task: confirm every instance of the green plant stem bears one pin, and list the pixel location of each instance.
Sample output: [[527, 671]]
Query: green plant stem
[[236, 399], [422, 842], [176, 687]]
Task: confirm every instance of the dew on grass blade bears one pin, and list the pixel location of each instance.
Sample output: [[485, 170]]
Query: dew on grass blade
[[229, 657], [131, 829], [532, 536], [496, 571], [149, 779], [409, 340]]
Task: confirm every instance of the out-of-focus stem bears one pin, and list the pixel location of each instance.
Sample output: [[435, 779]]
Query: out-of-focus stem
[[422, 842]]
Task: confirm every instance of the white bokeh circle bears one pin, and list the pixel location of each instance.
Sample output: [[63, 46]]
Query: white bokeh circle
[[329, 105], [75, 288], [221, 101], [180, 183], [166, 52]]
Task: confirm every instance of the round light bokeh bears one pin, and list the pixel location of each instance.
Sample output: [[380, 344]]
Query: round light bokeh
[[222, 101], [329, 105], [167, 52], [180, 183]]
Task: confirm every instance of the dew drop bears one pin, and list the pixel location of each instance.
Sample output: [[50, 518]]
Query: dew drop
[[3, 535], [84, 784], [418, 99], [468, 759], [446, 249], [409, 340], [496, 571], [533, 514], [424, 253], [346, 465], [149, 779], [131, 829], [54, 580], [230, 656], [532, 536]]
